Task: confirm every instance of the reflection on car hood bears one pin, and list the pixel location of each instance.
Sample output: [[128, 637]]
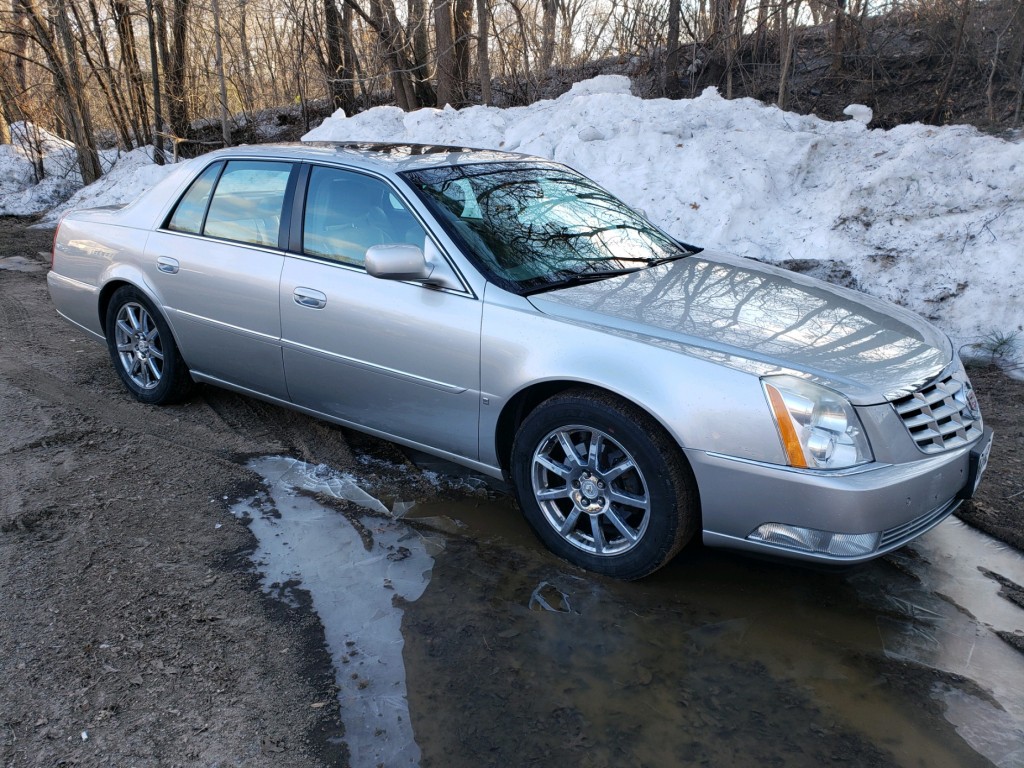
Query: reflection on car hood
[[764, 319]]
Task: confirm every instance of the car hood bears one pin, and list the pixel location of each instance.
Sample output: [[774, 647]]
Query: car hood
[[764, 320]]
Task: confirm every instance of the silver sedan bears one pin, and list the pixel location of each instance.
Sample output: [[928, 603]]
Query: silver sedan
[[507, 313]]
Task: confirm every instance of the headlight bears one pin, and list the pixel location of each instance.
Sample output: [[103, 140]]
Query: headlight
[[818, 427]]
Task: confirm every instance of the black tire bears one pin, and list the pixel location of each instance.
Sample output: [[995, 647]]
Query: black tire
[[143, 350], [591, 510]]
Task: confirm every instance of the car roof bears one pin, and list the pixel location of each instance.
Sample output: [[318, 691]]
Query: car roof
[[391, 157]]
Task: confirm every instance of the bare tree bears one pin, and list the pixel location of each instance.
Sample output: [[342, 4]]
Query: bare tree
[[447, 70], [52, 33], [482, 50], [337, 71]]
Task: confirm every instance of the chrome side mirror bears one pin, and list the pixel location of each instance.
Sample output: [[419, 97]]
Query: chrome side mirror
[[401, 261], [397, 261]]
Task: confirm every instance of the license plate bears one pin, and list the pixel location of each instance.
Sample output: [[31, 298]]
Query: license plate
[[978, 465]]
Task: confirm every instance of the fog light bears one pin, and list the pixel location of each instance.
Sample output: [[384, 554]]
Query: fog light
[[818, 542]]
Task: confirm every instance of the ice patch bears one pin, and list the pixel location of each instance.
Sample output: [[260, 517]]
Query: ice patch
[[354, 567]]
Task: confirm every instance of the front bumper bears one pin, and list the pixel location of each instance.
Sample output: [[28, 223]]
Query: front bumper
[[898, 501]]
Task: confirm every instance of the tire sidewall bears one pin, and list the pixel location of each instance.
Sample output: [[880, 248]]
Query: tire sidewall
[[165, 391], [659, 540]]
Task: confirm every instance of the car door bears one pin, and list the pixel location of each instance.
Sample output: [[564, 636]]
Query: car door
[[216, 266], [393, 357]]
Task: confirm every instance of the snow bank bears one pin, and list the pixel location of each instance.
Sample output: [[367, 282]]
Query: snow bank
[[126, 175], [931, 218], [130, 176], [20, 195]]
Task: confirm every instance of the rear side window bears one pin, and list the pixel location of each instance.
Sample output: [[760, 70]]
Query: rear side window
[[247, 202], [188, 215]]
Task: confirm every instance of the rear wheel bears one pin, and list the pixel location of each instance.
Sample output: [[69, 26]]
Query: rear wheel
[[143, 350], [603, 484]]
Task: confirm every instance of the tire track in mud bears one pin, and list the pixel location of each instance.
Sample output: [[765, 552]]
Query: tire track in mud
[[278, 428], [13, 313], [158, 423]]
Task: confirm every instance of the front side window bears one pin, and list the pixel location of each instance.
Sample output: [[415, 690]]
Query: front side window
[[534, 228], [347, 212], [248, 201]]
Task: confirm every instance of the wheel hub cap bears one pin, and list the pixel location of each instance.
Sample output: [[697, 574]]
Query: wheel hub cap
[[591, 490], [138, 346]]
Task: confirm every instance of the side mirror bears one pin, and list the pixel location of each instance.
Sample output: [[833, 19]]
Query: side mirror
[[397, 261], [400, 261]]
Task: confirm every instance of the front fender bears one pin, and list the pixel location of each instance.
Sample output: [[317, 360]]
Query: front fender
[[702, 405]]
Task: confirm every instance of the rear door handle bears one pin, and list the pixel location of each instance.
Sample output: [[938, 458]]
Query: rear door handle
[[307, 297], [167, 264]]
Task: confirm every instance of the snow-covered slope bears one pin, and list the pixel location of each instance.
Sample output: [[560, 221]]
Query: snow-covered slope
[[932, 218]]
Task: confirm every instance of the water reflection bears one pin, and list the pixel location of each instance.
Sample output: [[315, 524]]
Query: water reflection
[[513, 658], [716, 660]]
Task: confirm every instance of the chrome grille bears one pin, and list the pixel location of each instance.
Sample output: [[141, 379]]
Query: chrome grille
[[942, 415]]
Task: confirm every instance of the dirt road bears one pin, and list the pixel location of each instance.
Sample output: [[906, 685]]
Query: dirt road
[[133, 631]]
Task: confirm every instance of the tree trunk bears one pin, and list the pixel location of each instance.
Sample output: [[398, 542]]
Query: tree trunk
[[734, 38], [349, 64], [19, 17], [524, 44], [957, 47], [787, 36], [335, 65], [10, 110], [385, 21], [68, 82], [761, 30], [248, 102], [158, 115], [105, 74], [416, 32], [549, 16], [463, 26], [670, 81], [130, 61], [444, 38], [172, 34], [839, 36], [219, 56], [483, 57]]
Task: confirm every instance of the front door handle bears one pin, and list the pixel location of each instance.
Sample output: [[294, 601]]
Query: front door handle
[[307, 297], [167, 264]]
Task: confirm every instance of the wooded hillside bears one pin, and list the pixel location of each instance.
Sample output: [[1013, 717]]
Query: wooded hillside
[[135, 72]]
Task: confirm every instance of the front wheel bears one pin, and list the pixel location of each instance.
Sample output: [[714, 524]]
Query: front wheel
[[603, 485], [143, 350]]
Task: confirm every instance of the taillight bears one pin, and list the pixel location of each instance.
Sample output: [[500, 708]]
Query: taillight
[[53, 248]]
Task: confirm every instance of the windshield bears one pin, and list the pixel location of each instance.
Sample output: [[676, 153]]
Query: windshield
[[534, 228]]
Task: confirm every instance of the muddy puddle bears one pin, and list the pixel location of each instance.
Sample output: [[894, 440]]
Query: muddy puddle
[[488, 651]]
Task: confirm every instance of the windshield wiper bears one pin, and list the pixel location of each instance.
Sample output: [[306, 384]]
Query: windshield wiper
[[581, 279]]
